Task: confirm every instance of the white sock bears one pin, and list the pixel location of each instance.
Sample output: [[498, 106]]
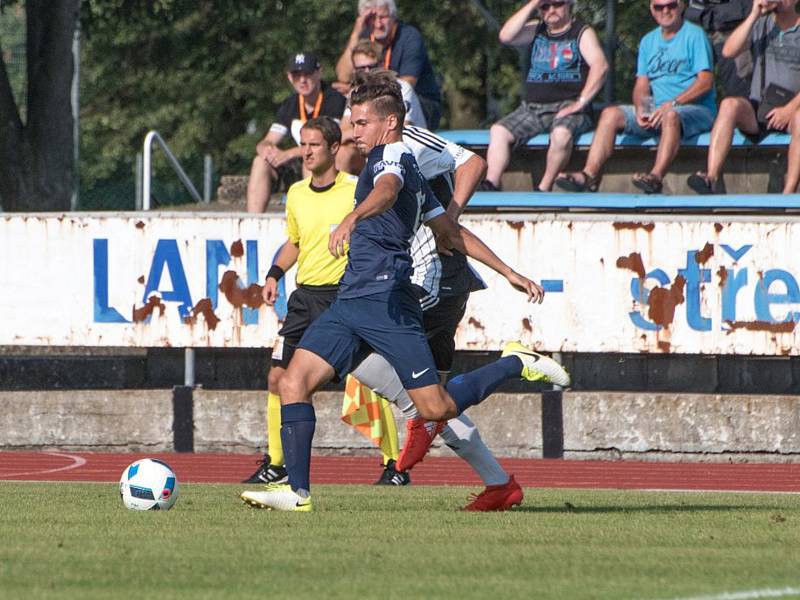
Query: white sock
[[463, 438], [376, 373]]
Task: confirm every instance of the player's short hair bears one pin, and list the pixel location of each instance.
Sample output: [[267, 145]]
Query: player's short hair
[[329, 128], [368, 48], [380, 88], [363, 4]]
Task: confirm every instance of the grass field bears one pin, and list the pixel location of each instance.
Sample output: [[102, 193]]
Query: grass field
[[77, 541]]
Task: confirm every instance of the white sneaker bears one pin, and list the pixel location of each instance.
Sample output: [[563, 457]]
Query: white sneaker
[[537, 367], [277, 496]]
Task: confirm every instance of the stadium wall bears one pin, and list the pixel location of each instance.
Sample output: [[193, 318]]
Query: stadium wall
[[705, 284], [644, 426], [623, 290]]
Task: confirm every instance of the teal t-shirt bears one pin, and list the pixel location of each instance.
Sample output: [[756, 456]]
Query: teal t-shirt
[[672, 65]]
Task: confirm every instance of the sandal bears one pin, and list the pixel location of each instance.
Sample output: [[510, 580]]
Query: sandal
[[701, 184], [579, 182], [648, 183]]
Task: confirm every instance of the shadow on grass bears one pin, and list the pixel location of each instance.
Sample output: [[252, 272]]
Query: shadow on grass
[[690, 508]]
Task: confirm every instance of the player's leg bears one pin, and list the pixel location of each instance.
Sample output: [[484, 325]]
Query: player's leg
[[460, 434], [306, 373], [501, 490]]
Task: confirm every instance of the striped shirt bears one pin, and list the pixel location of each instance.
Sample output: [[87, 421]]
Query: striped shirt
[[437, 159]]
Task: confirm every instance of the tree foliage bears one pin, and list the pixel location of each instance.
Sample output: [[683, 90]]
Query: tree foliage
[[209, 75]]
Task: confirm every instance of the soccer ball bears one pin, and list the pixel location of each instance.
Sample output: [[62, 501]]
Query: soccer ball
[[148, 484]]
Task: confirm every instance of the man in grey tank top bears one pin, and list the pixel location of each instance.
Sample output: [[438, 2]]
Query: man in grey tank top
[[567, 69], [772, 32]]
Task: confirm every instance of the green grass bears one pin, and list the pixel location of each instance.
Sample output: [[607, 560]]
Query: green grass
[[77, 541]]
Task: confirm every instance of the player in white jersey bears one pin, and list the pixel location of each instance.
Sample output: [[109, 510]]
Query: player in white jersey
[[444, 283]]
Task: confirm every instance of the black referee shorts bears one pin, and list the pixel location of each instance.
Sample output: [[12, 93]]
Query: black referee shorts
[[440, 323], [305, 304]]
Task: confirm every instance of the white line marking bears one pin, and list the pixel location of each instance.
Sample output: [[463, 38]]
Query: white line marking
[[748, 595], [77, 462]]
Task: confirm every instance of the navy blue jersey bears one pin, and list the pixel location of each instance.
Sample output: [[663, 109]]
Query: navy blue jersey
[[379, 259]]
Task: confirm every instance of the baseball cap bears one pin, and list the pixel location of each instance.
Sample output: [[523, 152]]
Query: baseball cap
[[307, 62]]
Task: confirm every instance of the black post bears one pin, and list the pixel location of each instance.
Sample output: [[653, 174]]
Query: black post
[[183, 418], [552, 424]]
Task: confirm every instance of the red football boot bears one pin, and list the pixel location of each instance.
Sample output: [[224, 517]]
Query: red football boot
[[419, 437], [496, 497]]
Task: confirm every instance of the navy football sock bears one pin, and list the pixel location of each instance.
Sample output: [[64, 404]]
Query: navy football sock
[[472, 388], [298, 422]]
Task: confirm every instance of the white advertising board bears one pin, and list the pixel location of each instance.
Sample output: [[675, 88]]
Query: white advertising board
[[614, 283]]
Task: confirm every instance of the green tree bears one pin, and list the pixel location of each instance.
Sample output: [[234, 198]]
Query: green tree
[[209, 75], [36, 152]]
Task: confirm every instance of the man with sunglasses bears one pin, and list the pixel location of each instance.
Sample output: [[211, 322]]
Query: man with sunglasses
[[674, 75], [366, 58], [402, 51], [567, 69]]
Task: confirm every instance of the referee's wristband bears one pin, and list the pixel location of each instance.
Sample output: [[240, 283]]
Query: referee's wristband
[[275, 272]]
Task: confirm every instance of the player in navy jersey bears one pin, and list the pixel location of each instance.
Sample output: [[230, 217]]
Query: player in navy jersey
[[377, 307]]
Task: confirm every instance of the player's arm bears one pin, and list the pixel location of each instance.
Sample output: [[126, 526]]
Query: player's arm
[[286, 259], [455, 236], [468, 177], [380, 199]]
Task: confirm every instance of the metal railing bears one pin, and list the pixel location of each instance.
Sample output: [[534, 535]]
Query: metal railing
[[144, 172]]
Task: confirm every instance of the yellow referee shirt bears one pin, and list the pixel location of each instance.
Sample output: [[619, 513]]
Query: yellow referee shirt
[[311, 216]]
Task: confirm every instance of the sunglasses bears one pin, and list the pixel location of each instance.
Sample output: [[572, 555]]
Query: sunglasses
[[548, 5], [367, 67], [665, 7]]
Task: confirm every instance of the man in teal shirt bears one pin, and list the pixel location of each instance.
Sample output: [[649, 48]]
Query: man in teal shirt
[[673, 98]]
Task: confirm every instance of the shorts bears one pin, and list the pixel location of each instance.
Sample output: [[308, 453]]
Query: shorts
[[531, 118], [440, 323], [305, 305], [695, 119], [388, 322], [763, 129], [289, 173]]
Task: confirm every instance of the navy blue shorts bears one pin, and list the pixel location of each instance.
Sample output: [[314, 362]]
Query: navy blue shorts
[[390, 323]]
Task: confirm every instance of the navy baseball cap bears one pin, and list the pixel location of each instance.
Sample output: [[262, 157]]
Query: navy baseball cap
[[307, 62]]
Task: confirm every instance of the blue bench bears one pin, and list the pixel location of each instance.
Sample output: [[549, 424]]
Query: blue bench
[[525, 201], [479, 138]]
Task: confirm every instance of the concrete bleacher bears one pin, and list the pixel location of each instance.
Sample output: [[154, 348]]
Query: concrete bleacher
[[750, 169]]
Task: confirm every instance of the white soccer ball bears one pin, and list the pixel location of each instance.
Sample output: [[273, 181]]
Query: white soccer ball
[[148, 484]]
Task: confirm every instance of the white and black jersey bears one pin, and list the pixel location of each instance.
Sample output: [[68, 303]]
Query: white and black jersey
[[436, 274]]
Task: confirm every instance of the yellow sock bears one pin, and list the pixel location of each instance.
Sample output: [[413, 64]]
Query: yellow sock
[[390, 445], [275, 446]]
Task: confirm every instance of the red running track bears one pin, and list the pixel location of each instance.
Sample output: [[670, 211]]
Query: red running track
[[232, 468]]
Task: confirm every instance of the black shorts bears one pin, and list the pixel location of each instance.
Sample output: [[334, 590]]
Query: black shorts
[[440, 323], [305, 305]]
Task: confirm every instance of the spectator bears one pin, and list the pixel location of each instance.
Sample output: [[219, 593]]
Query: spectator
[[366, 57], [772, 32], [403, 51], [674, 65], [567, 69], [273, 167], [719, 18]]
